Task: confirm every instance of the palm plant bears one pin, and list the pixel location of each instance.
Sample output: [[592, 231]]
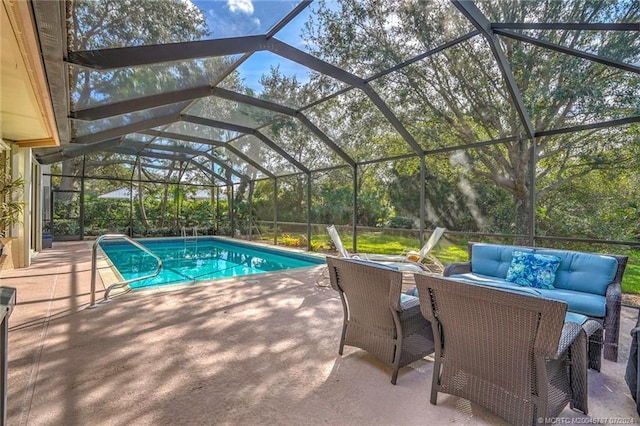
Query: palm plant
[[10, 209]]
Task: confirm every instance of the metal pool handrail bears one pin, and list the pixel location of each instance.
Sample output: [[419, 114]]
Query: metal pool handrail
[[94, 267]]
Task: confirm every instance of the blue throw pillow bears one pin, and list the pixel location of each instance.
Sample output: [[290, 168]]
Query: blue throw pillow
[[533, 270], [413, 291]]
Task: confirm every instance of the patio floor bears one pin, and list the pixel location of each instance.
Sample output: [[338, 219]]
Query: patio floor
[[257, 350]]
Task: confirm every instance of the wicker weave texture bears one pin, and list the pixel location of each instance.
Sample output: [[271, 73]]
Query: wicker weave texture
[[614, 305], [611, 321], [374, 318], [501, 350]]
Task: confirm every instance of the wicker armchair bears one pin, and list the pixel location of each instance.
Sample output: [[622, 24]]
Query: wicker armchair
[[375, 319], [510, 353]]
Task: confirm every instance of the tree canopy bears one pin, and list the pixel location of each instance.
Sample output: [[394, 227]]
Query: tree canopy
[[495, 161]]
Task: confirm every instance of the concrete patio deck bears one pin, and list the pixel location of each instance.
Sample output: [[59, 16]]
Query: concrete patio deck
[[256, 350]]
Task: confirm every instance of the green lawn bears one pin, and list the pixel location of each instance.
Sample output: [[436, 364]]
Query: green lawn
[[631, 278], [449, 251]]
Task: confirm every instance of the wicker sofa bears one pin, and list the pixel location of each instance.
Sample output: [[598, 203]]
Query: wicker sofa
[[590, 284]]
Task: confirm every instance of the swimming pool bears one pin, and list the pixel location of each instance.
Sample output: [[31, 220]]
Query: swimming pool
[[207, 258]]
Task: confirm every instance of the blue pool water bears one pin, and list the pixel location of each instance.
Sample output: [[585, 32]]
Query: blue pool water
[[208, 259]]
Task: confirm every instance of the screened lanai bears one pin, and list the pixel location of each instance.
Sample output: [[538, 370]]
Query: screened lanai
[[510, 120]]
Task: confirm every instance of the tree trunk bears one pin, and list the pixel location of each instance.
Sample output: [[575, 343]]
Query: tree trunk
[[69, 182], [143, 212], [523, 219], [300, 198], [230, 206], [163, 205]]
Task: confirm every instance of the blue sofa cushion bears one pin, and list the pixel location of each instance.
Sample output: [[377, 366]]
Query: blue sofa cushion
[[573, 317], [471, 278], [494, 282], [589, 304], [532, 269], [493, 260], [583, 272], [578, 302], [405, 297]]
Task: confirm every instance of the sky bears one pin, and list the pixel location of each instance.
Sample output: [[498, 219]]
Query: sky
[[234, 18]]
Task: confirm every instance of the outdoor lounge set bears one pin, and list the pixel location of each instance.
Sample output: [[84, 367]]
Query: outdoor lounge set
[[590, 284], [514, 330]]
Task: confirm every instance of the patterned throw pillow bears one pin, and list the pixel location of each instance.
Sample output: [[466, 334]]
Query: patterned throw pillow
[[533, 270]]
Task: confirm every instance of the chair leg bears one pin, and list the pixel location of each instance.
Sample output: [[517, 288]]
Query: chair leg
[[394, 376], [435, 382], [342, 337], [396, 364]]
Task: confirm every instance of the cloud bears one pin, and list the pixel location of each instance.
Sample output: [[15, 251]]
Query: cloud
[[241, 6]]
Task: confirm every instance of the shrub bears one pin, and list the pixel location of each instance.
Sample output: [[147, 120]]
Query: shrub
[[290, 241], [401, 222]]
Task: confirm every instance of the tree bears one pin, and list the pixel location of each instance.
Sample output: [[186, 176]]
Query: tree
[[459, 97], [123, 23], [292, 136]]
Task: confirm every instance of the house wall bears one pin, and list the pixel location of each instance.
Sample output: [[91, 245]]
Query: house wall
[[23, 240], [27, 121]]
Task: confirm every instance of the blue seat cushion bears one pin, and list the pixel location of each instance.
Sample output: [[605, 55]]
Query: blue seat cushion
[[588, 304], [405, 297], [573, 317], [494, 282], [483, 280], [592, 305]]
